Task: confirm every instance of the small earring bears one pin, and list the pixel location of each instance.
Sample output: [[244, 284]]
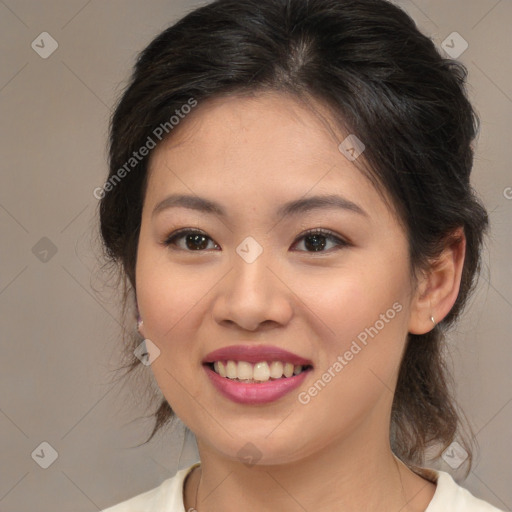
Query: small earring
[[139, 322], [433, 321]]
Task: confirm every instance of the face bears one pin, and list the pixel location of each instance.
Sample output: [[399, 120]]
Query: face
[[339, 300]]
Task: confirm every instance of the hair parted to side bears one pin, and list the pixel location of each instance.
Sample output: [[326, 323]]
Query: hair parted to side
[[382, 80]]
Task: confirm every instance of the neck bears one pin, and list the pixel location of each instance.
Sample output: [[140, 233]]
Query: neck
[[356, 473]]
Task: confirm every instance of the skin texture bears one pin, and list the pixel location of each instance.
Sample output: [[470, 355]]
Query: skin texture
[[252, 154]]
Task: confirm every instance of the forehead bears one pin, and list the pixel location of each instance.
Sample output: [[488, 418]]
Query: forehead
[[264, 148]]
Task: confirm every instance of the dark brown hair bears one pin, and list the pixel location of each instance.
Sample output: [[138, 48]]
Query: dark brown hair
[[382, 80]]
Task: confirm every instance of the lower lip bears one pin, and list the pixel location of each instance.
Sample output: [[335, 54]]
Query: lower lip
[[257, 393]]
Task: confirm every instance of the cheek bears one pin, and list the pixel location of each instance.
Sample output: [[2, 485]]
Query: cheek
[[169, 300], [351, 299], [359, 357], [362, 312]]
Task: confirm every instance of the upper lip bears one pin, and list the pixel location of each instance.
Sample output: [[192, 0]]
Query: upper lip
[[255, 354]]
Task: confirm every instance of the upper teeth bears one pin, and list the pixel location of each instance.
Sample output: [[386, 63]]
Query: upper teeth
[[261, 372]]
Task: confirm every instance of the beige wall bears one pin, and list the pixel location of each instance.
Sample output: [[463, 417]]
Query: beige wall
[[59, 338]]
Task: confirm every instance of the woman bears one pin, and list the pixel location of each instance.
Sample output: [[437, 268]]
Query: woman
[[289, 200]]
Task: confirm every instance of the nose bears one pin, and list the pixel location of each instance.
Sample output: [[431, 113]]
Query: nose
[[253, 296]]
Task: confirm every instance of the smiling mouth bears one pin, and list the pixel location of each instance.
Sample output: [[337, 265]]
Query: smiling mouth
[[263, 371]]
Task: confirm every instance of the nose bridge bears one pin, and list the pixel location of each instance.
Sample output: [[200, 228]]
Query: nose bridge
[[252, 294], [250, 280]]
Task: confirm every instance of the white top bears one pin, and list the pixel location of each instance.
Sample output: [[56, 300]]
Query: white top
[[168, 497]]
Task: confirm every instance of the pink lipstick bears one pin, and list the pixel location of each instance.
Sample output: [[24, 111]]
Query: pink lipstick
[[246, 358]]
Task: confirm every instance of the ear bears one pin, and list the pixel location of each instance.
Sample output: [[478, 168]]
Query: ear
[[438, 288]]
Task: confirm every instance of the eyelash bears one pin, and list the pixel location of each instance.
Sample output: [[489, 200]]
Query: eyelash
[[317, 231]]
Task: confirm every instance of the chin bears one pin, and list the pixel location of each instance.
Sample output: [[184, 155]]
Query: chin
[[260, 446]]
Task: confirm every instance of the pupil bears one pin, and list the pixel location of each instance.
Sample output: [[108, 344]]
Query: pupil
[[317, 245], [194, 239]]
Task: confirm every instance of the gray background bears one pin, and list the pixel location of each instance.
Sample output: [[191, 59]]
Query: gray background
[[59, 320]]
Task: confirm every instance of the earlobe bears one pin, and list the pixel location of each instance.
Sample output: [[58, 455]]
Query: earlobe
[[438, 289], [140, 324]]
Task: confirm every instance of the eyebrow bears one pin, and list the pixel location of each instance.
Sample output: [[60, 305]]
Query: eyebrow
[[296, 207]]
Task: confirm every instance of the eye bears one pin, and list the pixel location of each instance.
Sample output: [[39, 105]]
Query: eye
[[315, 239], [195, 240]]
